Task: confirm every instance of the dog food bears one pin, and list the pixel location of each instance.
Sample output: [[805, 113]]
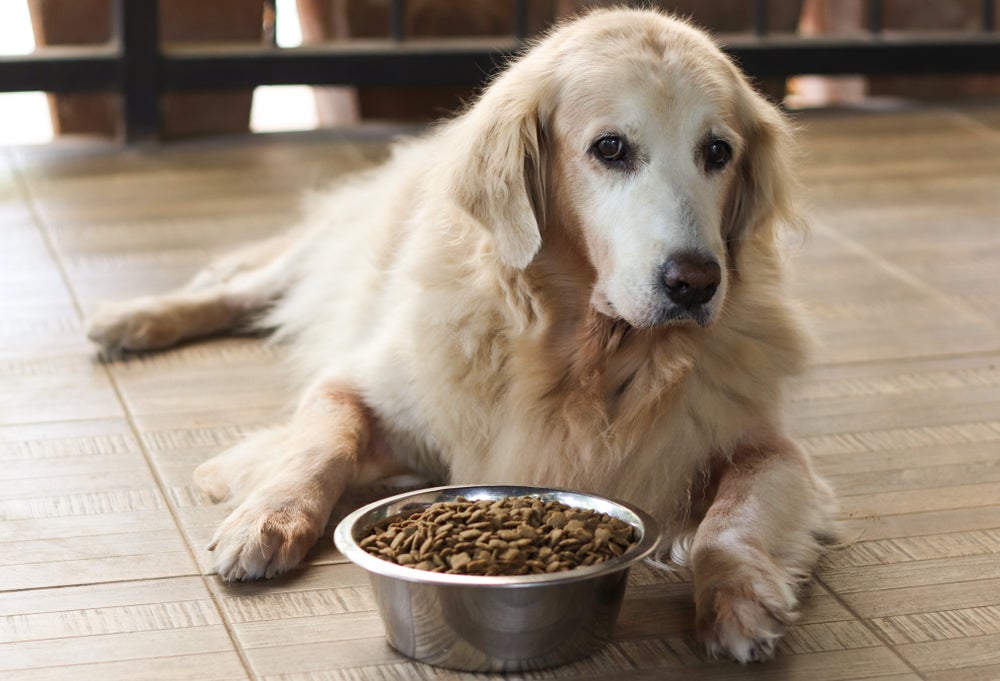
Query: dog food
[[508, 536]]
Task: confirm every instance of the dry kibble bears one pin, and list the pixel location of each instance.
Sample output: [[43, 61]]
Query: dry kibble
[[460, 560], [508, 536], [555, 536], [602, 535]]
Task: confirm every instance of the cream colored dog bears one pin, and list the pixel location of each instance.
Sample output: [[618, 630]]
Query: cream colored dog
[[575, 283]]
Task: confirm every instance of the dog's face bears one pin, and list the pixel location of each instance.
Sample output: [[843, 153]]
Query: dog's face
[[636, 134], [646, 159]]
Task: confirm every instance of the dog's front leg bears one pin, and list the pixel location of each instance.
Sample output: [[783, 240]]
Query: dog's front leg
[[756, 546], [287, 481]]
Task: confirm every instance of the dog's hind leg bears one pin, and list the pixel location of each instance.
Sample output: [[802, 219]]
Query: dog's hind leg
[[225, 295], [285, 482]]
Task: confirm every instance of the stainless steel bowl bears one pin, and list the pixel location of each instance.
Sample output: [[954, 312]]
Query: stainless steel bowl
[[478, 623]]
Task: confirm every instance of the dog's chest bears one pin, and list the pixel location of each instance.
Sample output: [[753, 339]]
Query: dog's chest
[[617, 429]]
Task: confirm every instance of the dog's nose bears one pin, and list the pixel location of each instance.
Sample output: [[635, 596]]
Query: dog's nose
[[691, 280]]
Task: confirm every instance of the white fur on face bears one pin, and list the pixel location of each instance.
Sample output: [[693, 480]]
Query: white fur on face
[[659, 205]]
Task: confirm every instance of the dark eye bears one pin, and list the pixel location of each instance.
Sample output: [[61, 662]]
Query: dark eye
[[717, 154], [611, 148]]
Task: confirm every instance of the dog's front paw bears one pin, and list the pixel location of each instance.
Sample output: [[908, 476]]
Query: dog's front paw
[[132, 326], [744, 614], [261, 539]]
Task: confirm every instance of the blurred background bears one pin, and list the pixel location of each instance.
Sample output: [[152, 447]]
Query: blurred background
[[775, 30]]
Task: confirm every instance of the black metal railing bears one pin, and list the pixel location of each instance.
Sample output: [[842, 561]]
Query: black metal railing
[[136, 65]]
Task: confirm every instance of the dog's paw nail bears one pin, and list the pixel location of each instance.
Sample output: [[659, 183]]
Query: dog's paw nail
[[259, 540], [744, 618]]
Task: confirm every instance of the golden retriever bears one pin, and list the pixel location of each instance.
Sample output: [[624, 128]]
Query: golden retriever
[[574, 283]]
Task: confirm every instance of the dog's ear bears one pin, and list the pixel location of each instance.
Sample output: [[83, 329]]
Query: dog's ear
[[763, 193], [501, 181]]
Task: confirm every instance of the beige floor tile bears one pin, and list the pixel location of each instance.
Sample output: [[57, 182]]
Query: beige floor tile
[[78, 504], [171, 666], [935, 595], [55, 387], [227, 374], [142, 629], [939, 656], [977, 673]]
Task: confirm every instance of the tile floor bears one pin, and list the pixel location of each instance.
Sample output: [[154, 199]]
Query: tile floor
[[103, 573]]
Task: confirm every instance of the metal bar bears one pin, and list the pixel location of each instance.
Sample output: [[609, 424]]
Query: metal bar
[[989, 16], [397, 11], [782, 57], [61, 69], [520, 20], [760, 17], [361, 63], [138, 36], [874, 16], [467, 63], [86, 69]]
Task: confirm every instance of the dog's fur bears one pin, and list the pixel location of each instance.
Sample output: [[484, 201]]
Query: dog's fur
[[490, 306]]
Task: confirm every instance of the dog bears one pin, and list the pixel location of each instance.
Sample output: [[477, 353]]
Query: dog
[[576, 282]]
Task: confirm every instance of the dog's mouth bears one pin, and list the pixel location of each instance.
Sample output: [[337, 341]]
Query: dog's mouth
[[667, 314], [701, 316]]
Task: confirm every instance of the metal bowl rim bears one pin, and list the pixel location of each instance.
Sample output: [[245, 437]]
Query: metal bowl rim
[[344, 537]]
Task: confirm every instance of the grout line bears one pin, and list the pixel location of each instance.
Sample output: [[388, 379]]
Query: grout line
[[77, 585], [50, 246], [29, 200], [230, 630], [884, 640], [862, 540], [81, 666], [964, 120], [902, 275], [986, 557], [909, 359]]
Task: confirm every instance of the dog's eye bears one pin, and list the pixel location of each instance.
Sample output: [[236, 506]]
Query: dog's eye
[[717, 154], [611, 148]]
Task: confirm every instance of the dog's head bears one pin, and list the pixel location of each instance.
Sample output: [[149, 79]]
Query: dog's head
[[635, 133]]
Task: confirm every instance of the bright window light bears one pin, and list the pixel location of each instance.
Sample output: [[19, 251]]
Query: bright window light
[[284, 107], [288, 32], [24, 116]]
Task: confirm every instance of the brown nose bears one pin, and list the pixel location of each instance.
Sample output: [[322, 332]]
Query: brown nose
[[691, 280]]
